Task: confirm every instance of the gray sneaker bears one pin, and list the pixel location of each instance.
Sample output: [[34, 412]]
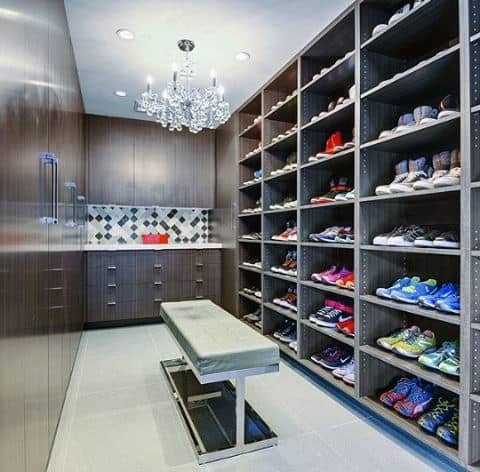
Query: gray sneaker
[[418, 169], [441, 166], [401, 173]]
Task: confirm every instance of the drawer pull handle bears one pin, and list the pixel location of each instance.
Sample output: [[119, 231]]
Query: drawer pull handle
[[112, 285], [157, 283], [199, 296], [111, 303], [111, 268], [157, 300], [55, 288], [157, 266], [199, 281], [199, 264]]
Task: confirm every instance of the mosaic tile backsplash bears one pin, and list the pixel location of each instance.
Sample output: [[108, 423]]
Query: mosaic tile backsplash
[[125, 225]]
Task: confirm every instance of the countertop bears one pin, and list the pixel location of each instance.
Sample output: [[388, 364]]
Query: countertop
[[149, 247]]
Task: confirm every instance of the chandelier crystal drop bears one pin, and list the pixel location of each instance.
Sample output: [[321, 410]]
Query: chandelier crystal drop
[[180, 104]]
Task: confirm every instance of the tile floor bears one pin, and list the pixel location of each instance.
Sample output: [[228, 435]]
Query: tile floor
[[118, 416]]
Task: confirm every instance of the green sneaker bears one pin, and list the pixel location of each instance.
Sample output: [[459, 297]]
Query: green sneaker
[[449, 349], [451, 364], [388, 342], [449, 431], [416, 345]]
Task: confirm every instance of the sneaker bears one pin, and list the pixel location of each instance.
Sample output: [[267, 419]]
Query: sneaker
[[397, 285], [454, 174], [294, 345], [401, 173], [329, 305], [318, 277], [331, 279], [426, 240], [283, 268], [449, 304], [445, 291], [330, 318], [347, 327], [347, 281], [285, 328], [345, 236], [289, 335], [328, 235], [425, 114], [418, 401], [407, 238], [449, 349], [405, 122], [399, 14], [291, 227], [418, 170], [342, 371], [415, 345], [383, 238], [442, 412], [448, 106], [411, 293], [451, 365], [399, 335], [441, 166], [350, 195], [449, 431], [253, 317], [399, 392], [349, 378], [449, 239], [334, 359], [340, 185]]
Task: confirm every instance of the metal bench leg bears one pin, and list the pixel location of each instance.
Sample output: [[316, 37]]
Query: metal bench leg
[[240, 410]]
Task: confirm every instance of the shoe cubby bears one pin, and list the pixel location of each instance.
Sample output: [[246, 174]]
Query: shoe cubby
[[416, 60], [247, 306], [382, 269], [381, 214], [316, 218], [275, 255], [315, 180], [249, 196], [250, 279], [249, 251], [275, 190]]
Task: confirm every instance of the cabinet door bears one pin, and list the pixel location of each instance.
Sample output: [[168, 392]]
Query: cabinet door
[[154, 165], [110, 161]]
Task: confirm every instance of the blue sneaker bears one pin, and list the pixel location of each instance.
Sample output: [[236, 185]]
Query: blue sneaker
[[418, 401], [449, 305], [400, 283], [411, 293], [445, 291], [439, 415]]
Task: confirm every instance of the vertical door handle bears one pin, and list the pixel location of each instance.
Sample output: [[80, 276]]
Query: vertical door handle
[[83, 217], [72, 186], [49, 206]]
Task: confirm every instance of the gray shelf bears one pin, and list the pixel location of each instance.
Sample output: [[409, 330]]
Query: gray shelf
[[280, 210], [416, 136], [249, 186], [412, 309], [284, 144], [343, 292], [250, 241], [283, 347], [249, 215], [411, 250], [250, 269], [284, 176], [287, 112], [334, 119], [315, 206], [328, 245], [257, 156], [330, 332], [250, 297], [334, 158], [282, 243], [281, 311], [415, 194], [411, 366], [252, 131], [275, 275]]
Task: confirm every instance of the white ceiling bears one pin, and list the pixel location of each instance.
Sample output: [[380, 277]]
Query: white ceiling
[[272, 31]]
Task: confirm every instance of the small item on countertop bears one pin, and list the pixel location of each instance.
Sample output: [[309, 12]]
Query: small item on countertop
[[155, 238]]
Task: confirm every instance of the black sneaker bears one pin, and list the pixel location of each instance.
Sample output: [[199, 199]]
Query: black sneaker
[[449, 239], [426, 240]]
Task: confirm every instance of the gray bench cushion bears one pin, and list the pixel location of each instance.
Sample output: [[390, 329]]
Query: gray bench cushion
[[214, 340]]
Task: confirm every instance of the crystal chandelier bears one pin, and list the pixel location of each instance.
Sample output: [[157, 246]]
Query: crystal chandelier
[[180, 104]]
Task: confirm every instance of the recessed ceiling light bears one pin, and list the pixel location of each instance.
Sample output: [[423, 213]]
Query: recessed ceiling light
[[242, 56], [120, 93], [125, 34]]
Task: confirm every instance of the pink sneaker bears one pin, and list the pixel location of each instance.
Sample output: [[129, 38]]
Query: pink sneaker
[[331, 279], [319, 276]]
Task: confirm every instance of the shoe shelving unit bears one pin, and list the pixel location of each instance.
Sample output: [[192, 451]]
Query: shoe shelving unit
[[431, 52]]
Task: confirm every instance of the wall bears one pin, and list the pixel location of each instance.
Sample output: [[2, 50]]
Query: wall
[[222, 219], [40, 266], [152, 166]]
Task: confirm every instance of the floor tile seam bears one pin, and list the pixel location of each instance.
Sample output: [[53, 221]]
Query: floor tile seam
[[119, 389]]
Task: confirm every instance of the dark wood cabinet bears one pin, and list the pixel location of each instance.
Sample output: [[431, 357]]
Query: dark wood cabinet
[[132, 162], [131, 285]]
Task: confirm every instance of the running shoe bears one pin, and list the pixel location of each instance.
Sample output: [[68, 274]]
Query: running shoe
[[411, 293], [330, 318], [318, 277], [335, 359], [449, 239], [451, 363], [433, 360], [397, 285], [341, 372], [426, 240], [347, 327], [449, 431], [285, 328], [399, 392], [450, 304], [441, 166], [445, 291], [383, 238], [387, 342], [442, 412], [418, 401], [408, 237], [416, 344], [418, 169], [331, 279], [328, 351], [328, 306], [346, 282], [401, 173]]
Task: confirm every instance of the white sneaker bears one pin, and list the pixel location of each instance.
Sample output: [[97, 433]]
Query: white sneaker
[[399, 14], [452, 177], [341, 372]]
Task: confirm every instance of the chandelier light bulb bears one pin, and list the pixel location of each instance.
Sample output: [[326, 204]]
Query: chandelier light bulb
[[213, 76], [165, 94]]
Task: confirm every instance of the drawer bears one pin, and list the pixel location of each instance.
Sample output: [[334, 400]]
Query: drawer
[[114, 311]]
